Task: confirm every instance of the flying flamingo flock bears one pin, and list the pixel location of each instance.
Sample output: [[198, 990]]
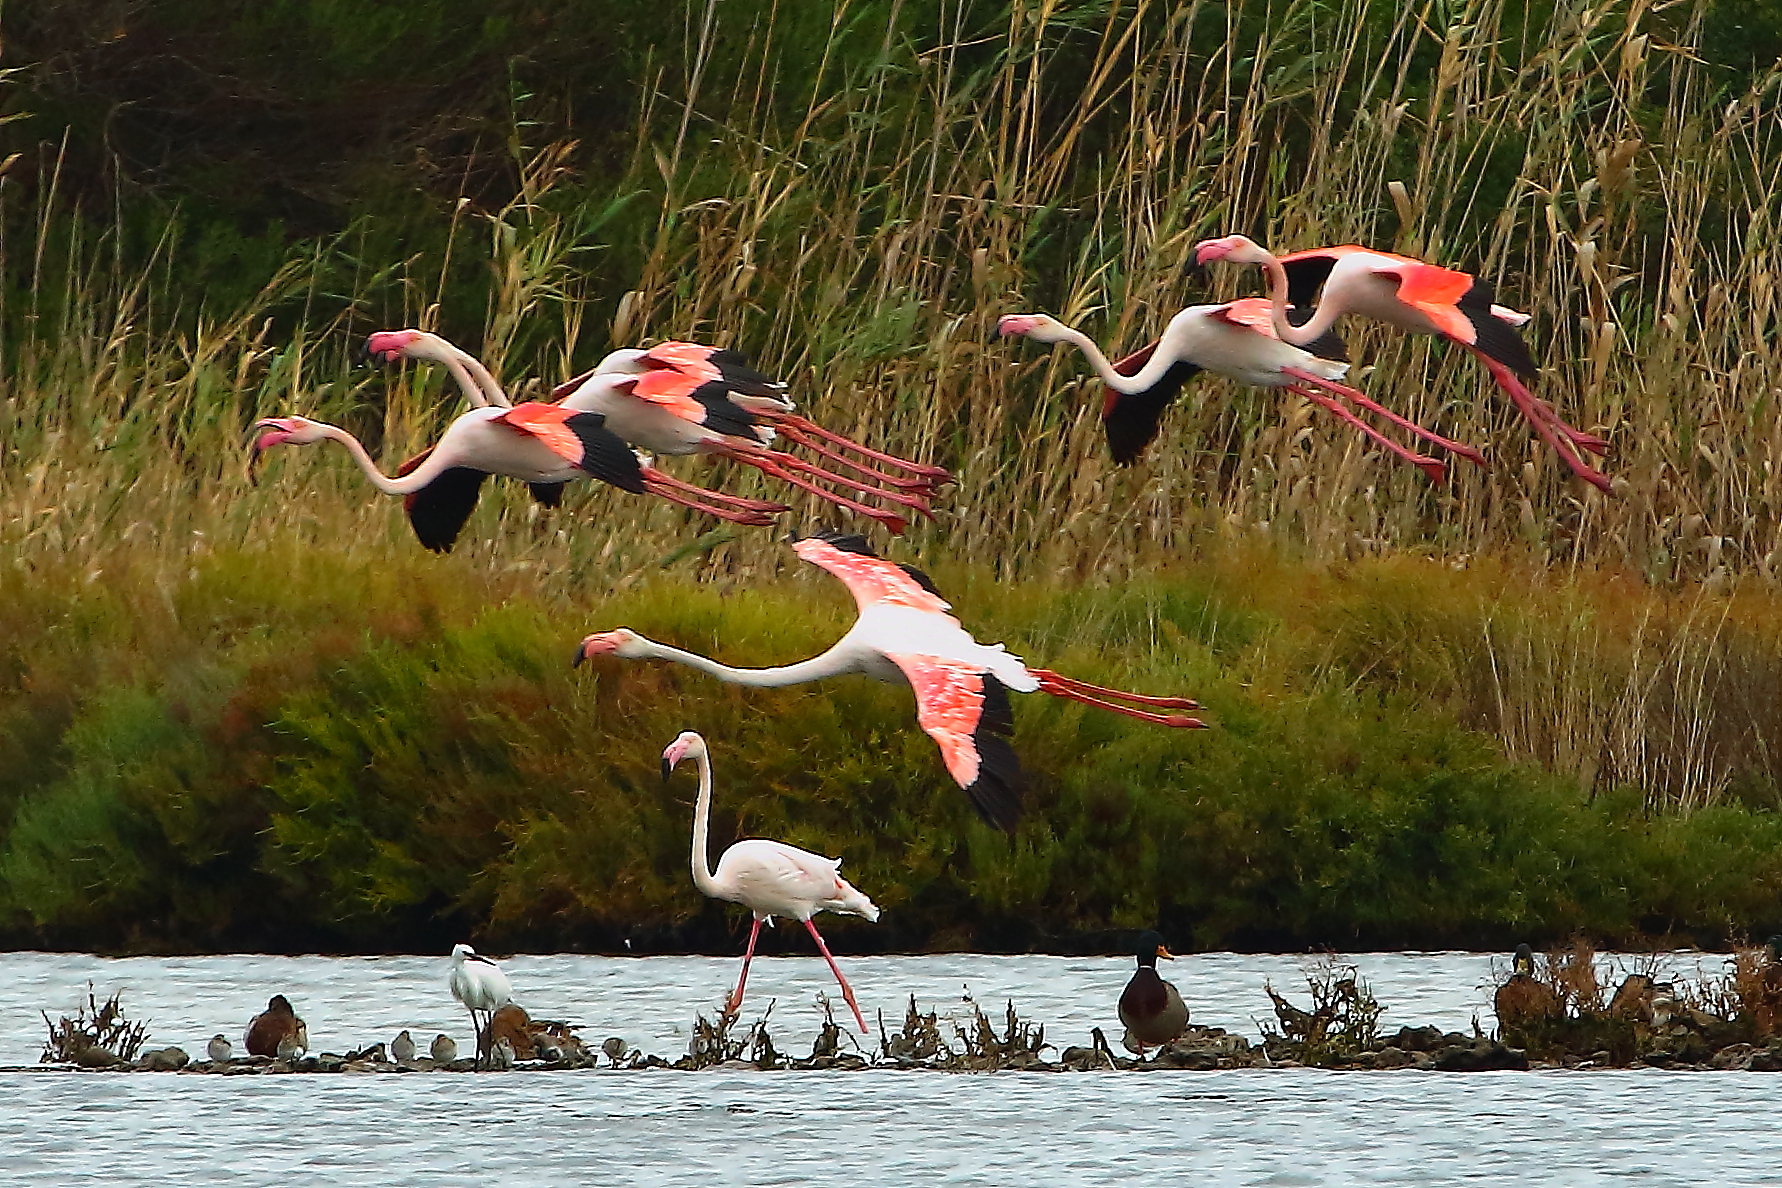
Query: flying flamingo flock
[[677, 399]]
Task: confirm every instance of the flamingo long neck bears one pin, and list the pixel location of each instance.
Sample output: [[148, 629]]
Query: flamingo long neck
[[484, 380], [1147, 377], [703, 878], [834, 662], [409, 483], [1324, 315]]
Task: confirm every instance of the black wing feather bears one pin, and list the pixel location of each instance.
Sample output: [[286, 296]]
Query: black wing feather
[[1493, 335], [721, 415], [734, 367], [548, 494], [998, 790], [604, 455], [1130, 422], [437, 512], [847, 542]]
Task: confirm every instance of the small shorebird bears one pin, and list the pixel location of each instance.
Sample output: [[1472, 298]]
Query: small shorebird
[[402, 1048], [219, 1048], [1153, 1012], [444, 1049], [291, 1048]]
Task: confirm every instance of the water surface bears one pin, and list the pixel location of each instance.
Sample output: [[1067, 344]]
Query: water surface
[[882, 1128]]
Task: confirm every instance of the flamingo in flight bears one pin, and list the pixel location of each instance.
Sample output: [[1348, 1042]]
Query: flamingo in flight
[[681, 398], [769, 878], [544, 444], [905, 636], [1236, 340], [1417, 297]]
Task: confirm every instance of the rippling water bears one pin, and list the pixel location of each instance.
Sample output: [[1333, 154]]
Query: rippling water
[[1277, 1127]]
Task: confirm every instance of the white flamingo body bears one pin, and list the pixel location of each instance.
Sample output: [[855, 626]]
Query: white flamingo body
[[773, 879], [769, 878]]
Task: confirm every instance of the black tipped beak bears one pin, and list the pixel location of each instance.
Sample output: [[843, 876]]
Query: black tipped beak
[[581, 654], [667, 769]]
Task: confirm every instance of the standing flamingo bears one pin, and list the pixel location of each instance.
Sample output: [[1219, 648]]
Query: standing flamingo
[[1234, 340], [905, 636], [480, 985], [769, 878], [544, 444], [1418, 297], [681, 398]]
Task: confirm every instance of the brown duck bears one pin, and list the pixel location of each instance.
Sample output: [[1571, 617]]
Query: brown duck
[[277, 1022], [1153, 1012]]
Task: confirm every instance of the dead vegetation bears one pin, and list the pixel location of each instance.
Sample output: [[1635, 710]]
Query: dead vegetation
[[98, 1036]]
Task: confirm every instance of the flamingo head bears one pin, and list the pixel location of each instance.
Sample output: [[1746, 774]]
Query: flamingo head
[[387, 346], [1237, 249], [285, 431], [1037, 326], [622, 642], [687, 745]]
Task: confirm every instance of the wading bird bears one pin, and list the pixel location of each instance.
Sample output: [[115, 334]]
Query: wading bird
[[443, 1049], [544, 444], [1417, 297], [278, 1022], [480, 985], [220, 1049], [402, 1048], [769, 878], [1234, 340], [680, 398], [905, 636], [1154, 1014]]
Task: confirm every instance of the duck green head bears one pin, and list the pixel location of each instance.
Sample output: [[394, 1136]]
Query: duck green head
[[1151, 947], [1523, 962]]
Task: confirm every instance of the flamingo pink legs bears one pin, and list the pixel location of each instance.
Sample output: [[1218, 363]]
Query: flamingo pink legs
[[1544, 420], [847, 990], [939, 476], [1433, 467], [734, 508], [734, 1003], [1365, 401], [768, 462], [1098, 695]]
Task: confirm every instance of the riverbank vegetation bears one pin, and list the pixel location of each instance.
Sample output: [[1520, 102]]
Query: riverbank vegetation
[[258, 716]]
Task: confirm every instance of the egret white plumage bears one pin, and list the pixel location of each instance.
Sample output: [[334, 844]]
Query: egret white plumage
[[480, 985], [769, 878]]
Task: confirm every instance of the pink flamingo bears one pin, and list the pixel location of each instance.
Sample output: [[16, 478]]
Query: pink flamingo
[[905, 636], [769, 878], [544, 444], [681, 398], [1417, 297], [1234, 340]]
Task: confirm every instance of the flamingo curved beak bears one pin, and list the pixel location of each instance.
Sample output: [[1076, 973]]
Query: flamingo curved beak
[[282, 430], [1015, 324], [386, 346]]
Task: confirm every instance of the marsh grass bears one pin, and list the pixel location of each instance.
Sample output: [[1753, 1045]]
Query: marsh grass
[[214, 685]]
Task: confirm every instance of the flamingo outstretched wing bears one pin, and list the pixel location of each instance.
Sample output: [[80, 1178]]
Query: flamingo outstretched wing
[[581, 439], [1130, 422], [870, 578], [966, 710], [438, 511]]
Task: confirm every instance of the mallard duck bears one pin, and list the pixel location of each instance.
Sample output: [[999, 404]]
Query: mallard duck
[[1153, 1012], [277, 1022]]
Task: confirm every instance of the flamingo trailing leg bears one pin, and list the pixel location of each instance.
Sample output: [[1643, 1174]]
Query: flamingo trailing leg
[[769, 878], [1417, 297]]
